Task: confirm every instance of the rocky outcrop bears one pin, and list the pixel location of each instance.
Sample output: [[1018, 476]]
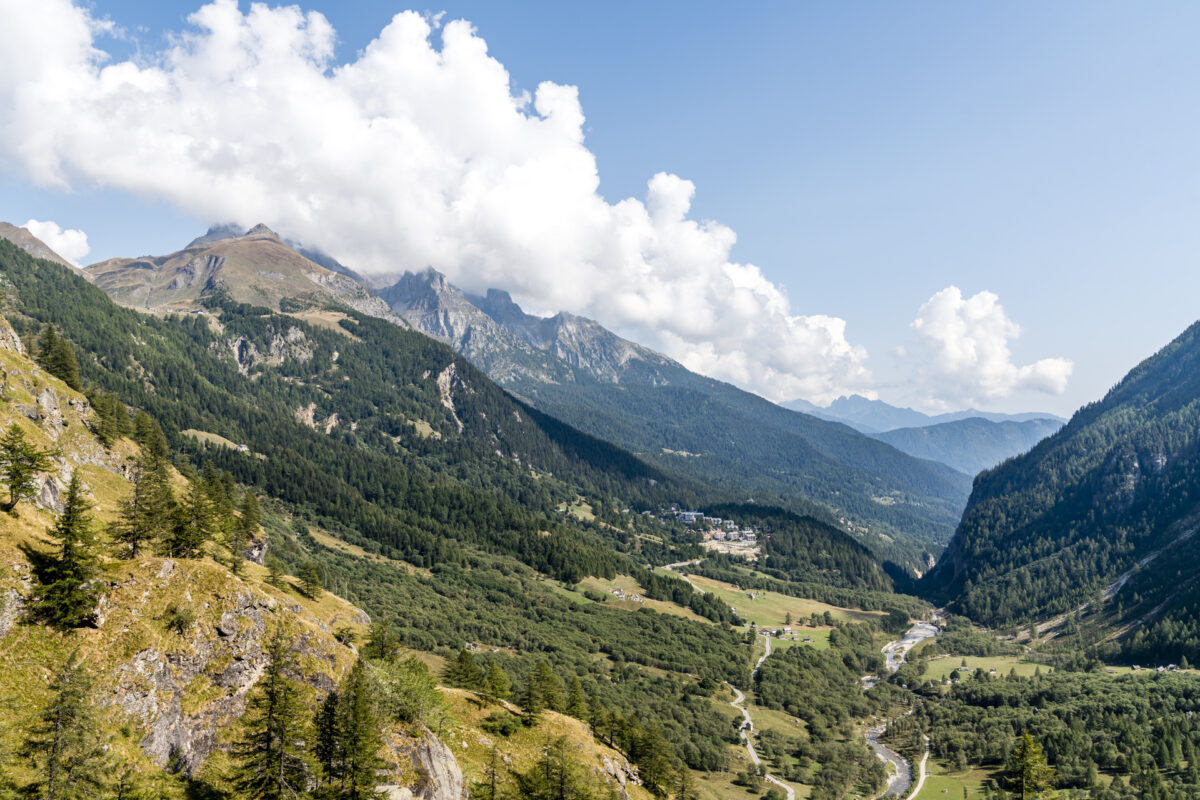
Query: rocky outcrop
[[622, 773], [256, 550], [445, 383], [439, 776], [291, 343], [182, 696], [9, 339]]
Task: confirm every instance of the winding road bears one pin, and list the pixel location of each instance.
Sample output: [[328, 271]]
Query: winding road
[[747, 729], [677, 567], [894, 654]]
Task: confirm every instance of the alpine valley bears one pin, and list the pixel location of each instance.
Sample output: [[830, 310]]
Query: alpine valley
[[274, 530]]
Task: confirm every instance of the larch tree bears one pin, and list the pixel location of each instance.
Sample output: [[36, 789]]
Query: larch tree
[[244, 530], [64, 597], [359, 733], [57, 357], [1028, 776], [65, 746], [463, 672], [274, 760], [193, 523], [496, 684], [310, 580], [20, 464], [144, 516]]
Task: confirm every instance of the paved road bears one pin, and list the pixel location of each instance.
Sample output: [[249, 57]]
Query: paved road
[[747, 729], [677, 567]]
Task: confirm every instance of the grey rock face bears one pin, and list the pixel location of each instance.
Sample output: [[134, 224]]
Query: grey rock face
[[439, 776], [151, 686], [9, 339]]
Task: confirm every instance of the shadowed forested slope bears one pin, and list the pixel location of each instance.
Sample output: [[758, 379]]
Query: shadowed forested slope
[[1117, 486]]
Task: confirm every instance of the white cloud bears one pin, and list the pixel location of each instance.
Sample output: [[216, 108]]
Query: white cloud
[[967, 342], [71, 244], [411, 155]]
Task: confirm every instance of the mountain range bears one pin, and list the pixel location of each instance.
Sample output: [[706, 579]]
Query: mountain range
[[875, 416], [973, 444], [575, 370]]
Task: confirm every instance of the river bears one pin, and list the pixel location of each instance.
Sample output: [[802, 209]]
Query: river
[[894, 654]]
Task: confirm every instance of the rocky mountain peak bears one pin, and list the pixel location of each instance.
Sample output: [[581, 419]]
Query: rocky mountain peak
[[261, 230], [498, 304], [216, 233]]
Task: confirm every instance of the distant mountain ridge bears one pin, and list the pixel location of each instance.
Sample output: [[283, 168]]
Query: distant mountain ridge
[[255, 267], [969, 441], [876, 416], [31, 244], [973, 444]]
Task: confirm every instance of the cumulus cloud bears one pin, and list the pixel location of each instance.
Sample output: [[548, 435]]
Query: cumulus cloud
[[71, 244], [416, 153], [969, 361]]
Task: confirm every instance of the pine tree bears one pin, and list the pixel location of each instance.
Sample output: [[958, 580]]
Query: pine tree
[[359, 735], [20, 463], [555, 776], [655, 757], [193, 523], [685, 787], [64, 598], [496, 684], [328, 749], [65, 744], [577, 704], [273, 760], [128, 786], [220, 502], [114, 416], [46, 344], [243, 531], [310, 580], [144, 516], [532, 700], [488, 788], [274, 572], [148, 434], [549, 685], [1028, 776], [463, 672], [57, 357], [382, 641]]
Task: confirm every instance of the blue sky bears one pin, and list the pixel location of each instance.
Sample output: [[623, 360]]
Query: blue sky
[[867, 156]]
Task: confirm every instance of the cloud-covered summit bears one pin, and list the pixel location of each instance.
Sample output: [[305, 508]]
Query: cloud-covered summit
[[411, 155], [417, 153]]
